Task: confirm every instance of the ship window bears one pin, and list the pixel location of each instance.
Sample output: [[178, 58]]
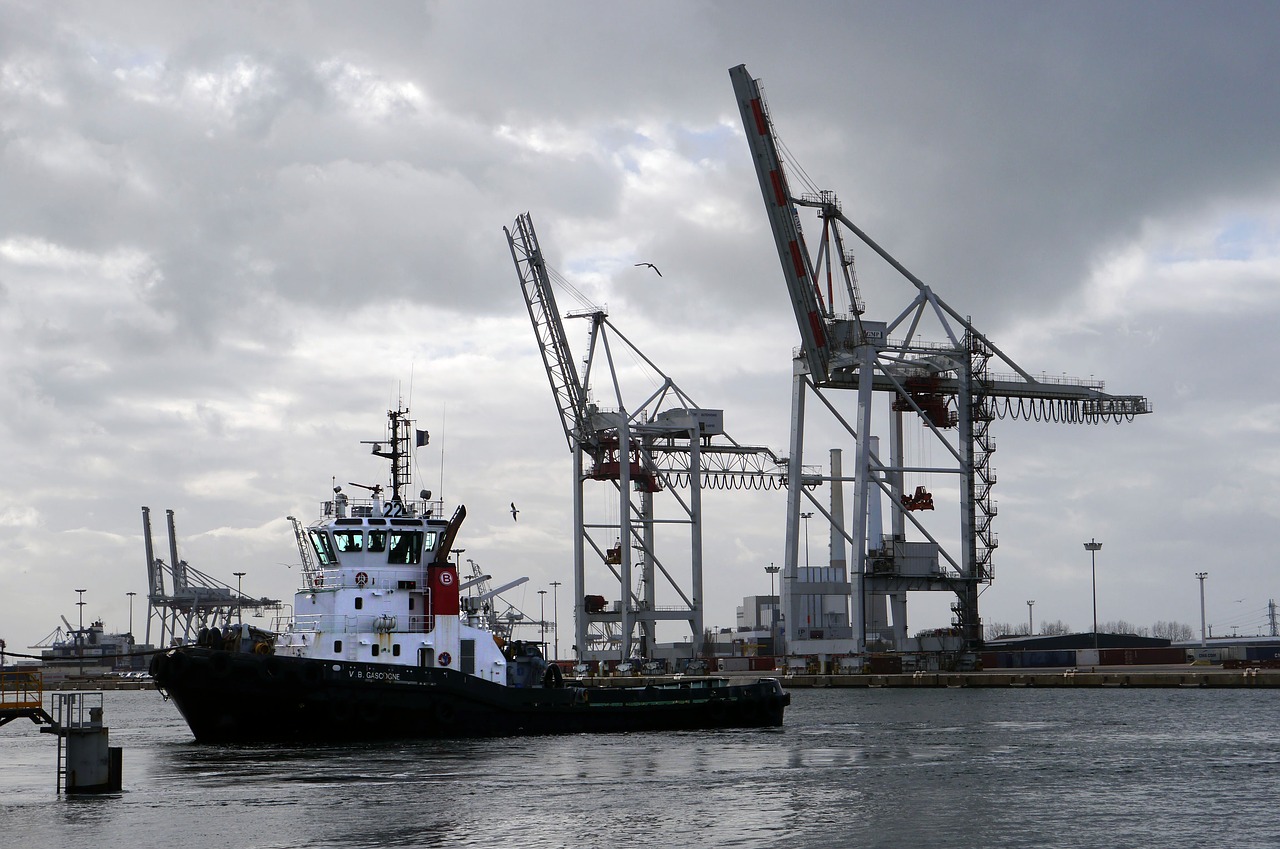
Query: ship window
[[337, 645], [375, 651], [348, 540], [406, 547], [395, 650], [377, 540], [359, 602], [411, 602], [430, 541], [324, 548]]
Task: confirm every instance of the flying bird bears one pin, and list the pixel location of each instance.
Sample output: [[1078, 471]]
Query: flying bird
[[651, 265], [514, 511]]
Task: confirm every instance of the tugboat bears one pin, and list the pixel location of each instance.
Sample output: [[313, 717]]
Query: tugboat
[[388, 641]]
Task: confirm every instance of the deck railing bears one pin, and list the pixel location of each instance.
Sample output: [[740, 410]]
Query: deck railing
[[21, 689]]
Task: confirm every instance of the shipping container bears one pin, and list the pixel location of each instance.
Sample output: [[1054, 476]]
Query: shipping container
[[1142, 657], [884, 664]]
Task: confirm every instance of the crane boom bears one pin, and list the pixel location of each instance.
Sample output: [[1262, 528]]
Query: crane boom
[[566, 386], [787, 234]]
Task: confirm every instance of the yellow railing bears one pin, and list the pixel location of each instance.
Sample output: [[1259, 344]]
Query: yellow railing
[[21, 688]]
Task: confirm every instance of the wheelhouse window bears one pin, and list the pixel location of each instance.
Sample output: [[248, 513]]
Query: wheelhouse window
[[429, 541], [324, 548], [346, 541], [406, 547], [377, 541]]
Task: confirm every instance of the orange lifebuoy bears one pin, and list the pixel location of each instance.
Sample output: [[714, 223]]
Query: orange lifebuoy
[[362, 578], [318, 581]]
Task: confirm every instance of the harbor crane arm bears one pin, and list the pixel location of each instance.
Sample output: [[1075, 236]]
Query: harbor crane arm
[[784, 222], [566, 386]]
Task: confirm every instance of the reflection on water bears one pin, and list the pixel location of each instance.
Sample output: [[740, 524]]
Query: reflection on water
[[891, 768]]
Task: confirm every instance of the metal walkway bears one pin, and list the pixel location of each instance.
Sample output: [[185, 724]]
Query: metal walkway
[[22, 696]]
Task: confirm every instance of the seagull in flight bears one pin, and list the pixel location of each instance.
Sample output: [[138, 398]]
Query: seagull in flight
[[651, 265], [514, 511]]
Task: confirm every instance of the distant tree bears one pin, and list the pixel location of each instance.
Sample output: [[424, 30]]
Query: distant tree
[[996, 630], [1120, 626], [1175, 631], [1054, 629]]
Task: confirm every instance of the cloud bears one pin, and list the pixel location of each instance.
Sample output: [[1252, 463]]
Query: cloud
[[231, 236]]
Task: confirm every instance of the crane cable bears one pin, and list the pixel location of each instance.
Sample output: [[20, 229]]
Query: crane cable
[[1060, 410]]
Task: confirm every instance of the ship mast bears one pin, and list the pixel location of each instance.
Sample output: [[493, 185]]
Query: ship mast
[[399, 428]]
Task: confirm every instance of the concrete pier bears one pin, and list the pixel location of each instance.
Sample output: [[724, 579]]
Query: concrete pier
[[1150, 677]]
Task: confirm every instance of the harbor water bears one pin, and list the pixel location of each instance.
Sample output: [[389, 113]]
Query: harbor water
[[852, 768]]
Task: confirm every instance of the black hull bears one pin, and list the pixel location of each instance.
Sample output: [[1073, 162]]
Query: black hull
[[232, 697]]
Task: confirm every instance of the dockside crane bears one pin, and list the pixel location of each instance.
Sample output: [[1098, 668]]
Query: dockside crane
[[663, 444], [195, 600], [949, 385]]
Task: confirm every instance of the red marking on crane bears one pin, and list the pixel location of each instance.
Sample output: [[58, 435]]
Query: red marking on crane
[[762, 127], [815, 324], [798, 261], [780, 194]]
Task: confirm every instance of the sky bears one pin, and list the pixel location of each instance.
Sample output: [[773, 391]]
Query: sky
[[233, 235]]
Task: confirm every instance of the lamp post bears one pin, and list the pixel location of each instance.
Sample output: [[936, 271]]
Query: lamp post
[[1031, 622], [239, 611], [555, 616], [542, 617], [1092, 547], [80, 631], [773, 571], [130, 595], [1200, 576]]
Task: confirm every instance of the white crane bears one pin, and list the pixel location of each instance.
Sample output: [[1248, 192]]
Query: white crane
[[946, 384], [661, 444]]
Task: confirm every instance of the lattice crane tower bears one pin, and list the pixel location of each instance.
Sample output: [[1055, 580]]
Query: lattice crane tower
[[664, 443]]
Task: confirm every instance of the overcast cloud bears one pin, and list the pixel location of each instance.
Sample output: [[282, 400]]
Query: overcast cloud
[[231, 234]]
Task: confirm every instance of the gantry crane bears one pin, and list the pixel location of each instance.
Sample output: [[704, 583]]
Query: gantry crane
[[665, 443], [195, 600], [948, 385]]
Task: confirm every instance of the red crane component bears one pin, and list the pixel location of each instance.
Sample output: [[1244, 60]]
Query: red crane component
[[921, 500]]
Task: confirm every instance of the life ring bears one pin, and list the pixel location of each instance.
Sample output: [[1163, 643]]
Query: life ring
[[317, 581], [443, 659], [362, 578]]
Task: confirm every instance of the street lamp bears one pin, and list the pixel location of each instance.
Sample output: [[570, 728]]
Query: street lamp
[[1092, 547], [555, 616], [1200, 576], [80, 631], [239, 596], [131, 595], [772, 570], [1031, 622], [542, 606]]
